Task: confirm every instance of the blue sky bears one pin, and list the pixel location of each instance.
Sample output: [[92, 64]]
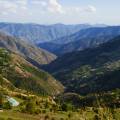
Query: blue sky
[[60, 11]]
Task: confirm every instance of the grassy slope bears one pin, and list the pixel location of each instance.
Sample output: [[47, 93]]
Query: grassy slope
[[28, 51], [24, 75], [82, 115]]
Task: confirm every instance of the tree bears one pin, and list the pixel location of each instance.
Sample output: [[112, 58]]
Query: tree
[[7, 105], [4, 60], [30, 107], [67, 107], [1, 100]]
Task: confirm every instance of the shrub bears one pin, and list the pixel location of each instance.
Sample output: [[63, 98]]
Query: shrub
[[7, 105], [30, 107], [47, 117], [10, 119], [52, 118], [66, 107], [43, 111], [1, 100]]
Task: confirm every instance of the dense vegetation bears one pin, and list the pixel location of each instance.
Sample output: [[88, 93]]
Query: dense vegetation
[[21, 74], [89, 71]]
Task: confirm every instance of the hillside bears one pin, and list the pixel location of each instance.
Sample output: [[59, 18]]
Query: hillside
[[19, 73], [89, 71], [28, 51], [81, 40]]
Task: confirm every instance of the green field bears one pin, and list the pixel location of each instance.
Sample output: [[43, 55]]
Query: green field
[[9, 115], [81, 115]]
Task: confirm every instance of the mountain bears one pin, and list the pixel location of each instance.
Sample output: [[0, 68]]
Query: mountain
[[30, 52], [81, 40], [36, 33], [91, 70], [16, 72]]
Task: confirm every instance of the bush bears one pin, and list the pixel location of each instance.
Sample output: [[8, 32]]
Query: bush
[[69, 115], [2, 118], [52, 118], [7, 106], [10, 119], [37, 111], [1, 100], [47, 117], [66, 107], [30, 107], [43, 111]]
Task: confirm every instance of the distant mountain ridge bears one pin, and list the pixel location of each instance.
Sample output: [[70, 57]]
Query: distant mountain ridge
[[81, 40], [36, 33]]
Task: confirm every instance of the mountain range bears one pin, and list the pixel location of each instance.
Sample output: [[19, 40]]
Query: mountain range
[[36, 33], [91, 70], [76, 72], [81, 40]]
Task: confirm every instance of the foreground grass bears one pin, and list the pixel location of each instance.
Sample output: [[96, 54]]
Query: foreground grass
[[16, 116], [81, 115], [10, 115]]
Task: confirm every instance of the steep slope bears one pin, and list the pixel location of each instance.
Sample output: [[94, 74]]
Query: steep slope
[[23, 75], [92, 70], [51, 47], [81, 40], [30, 52], [36, 33]]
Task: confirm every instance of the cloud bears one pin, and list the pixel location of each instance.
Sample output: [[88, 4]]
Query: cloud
[[90, 8], [55, 7], [21, 2], [47, 6], [12, 6], [52, 6], [6, 7]]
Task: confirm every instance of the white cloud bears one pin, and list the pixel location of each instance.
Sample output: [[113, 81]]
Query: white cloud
[[48, 6], [90, 8], [55, 7], [52, 6], [6, 7], [39, 2], [22, 2], [12, 6]]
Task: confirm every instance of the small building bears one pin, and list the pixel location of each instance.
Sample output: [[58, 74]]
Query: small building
[[12, 101]]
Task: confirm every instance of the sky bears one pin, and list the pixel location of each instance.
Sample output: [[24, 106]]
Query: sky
[[61, 11]]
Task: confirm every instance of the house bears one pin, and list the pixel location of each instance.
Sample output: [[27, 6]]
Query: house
[[12, 101]]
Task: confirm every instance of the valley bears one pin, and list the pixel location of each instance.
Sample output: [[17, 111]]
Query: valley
[[78, 81]]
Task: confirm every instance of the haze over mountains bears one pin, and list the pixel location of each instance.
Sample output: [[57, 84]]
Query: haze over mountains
[[36, 33], [83, 39], [60, 38]]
